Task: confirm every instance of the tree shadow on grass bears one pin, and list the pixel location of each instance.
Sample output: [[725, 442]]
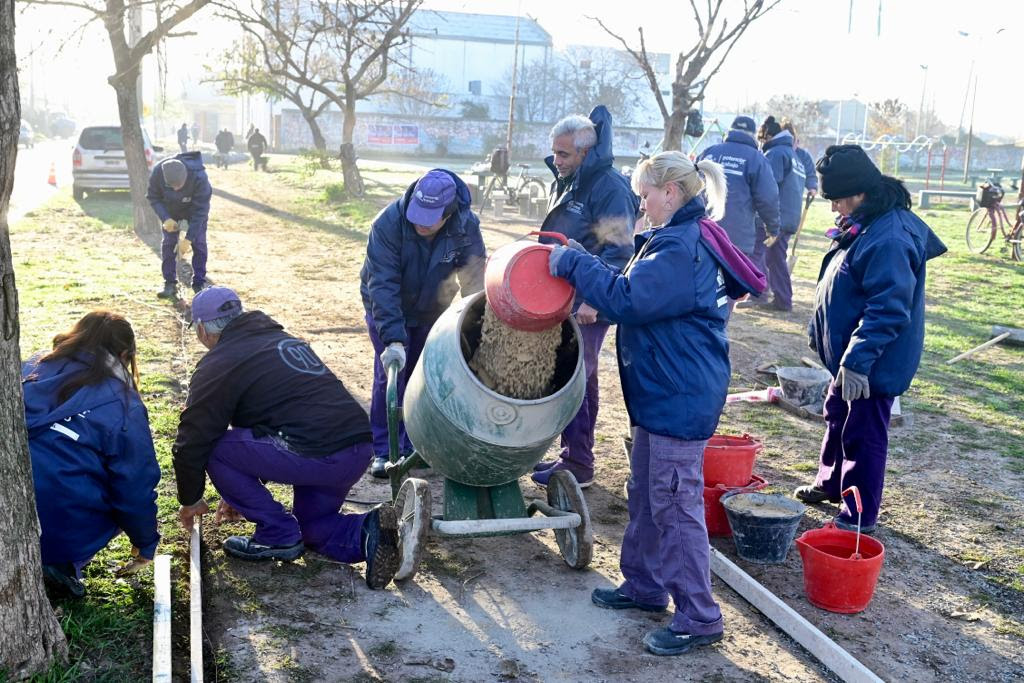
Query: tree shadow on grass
[[333, 228]]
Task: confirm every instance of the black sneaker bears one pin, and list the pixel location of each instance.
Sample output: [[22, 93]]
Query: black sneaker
[[245, 548], [170, 291], [377, 467], [380, 546], [612, 598], [666, 642], [61, 580], [813, 494], [840, 523]]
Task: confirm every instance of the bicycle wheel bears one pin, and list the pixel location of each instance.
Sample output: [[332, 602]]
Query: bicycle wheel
[[1017, 242], [981, 230], [534, 189]]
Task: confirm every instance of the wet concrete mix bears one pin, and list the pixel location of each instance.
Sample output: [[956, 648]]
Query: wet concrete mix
[[515, 363]]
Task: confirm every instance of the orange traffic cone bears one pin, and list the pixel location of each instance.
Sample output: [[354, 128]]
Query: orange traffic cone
[[53, 175]]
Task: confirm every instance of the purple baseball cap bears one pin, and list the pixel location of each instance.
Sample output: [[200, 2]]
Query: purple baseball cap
[[431, 196], [213, 303]]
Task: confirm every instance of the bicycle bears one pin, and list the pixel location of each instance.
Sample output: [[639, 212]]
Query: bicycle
[[516, 186], [990, 218]]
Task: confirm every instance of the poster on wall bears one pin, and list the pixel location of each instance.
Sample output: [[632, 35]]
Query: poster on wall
[[407, 135], [379, 134]]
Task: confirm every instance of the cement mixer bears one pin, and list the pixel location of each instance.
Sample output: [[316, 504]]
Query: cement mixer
[[482, 442]]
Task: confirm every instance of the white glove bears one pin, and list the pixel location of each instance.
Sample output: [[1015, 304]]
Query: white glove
[[854, 384], [394, 352], [573, 244]]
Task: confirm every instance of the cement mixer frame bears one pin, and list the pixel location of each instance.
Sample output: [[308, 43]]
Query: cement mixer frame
[[479, 511]]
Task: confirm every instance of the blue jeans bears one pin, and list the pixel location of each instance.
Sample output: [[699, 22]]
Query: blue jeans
[[378, 397], [168, 264], [578, 436]]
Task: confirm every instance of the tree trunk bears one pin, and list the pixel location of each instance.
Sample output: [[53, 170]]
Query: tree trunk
[[675, 126], [318, 136], [30, 637], [125, 87], [353, 179]]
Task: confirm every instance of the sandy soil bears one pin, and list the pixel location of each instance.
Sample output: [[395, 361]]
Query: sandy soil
[[509, 608]]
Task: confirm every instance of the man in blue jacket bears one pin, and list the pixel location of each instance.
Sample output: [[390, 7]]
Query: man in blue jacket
[[592, 203], [868, 324], [752, 187], [263, 407], [418, 246], [179, 193]]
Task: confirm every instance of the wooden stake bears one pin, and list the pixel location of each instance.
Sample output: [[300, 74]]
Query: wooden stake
[[839, 661], [991, 342], [195, 637], [162, 619]]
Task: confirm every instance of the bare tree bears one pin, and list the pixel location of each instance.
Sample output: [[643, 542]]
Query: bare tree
[[696, 66], [30, 637], [246, 71], [416, 92], [114, 14], [591, 75], [356, 38], [807, 115], [538, 97]]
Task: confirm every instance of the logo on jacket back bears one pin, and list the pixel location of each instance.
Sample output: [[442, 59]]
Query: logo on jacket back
[[297, 355]]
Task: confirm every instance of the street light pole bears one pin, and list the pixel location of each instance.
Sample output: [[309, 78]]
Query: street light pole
[[970, 133], [920, 110], [512, 97]]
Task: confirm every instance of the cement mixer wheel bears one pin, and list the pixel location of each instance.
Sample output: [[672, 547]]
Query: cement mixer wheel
[[576, 545], [413, 507]]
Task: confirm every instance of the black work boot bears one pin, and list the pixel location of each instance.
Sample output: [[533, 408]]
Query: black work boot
[[380, 545], [813, 494], [198, 286], [61, 580], [170, 291], [247, 549]]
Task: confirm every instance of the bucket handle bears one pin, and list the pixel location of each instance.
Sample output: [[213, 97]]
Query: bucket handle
[[860, 510], [554, 235], [758, 446]]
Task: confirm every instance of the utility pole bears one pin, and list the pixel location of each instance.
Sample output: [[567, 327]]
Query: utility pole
[[920, 110], [970, 133], [849, 19], [512, 97]]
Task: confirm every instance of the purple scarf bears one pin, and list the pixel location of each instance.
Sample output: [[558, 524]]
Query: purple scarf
[[741, 267]]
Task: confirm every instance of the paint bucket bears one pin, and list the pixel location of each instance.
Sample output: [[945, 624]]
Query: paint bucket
[[520, 288], [803, 386], [763, 526], [729, 460], [714, 514]]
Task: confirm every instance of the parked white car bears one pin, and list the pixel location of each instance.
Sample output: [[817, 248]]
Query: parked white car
[[98, 163]]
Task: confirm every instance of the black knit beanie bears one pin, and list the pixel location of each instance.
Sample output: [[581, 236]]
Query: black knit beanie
[[846, 170]]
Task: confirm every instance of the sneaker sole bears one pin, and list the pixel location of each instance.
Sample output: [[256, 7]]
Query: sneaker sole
[[634, 605], [385, 557], [582, 484], [263, 555], [701, 641]]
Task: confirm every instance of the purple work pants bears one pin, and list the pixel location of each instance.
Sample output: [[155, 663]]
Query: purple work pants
[[168, 264], [665, 550], [854, 451], [379, 397], [578, 435], [241, 462], [759, 257], [776, 257]]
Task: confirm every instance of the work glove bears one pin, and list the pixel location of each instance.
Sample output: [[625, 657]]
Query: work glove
[[170, 225], [586, 314], [772, 239], [573, 244], [554, 257], [225, 513], [854, 384], [184, 248], [394, 352], [133, 565]]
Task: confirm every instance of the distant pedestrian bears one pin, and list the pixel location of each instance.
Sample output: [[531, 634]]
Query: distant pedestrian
[[195, 135], [179, 193], [257, 146], [868, 325], [225, 142], [183, 137]]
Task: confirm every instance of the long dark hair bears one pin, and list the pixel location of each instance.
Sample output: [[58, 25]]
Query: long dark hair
[[769, 129], [93, 337], [890, 193]]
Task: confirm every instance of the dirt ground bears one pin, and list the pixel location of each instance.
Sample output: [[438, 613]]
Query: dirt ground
[[509, 608]]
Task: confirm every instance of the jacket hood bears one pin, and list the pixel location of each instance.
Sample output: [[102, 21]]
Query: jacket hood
[[600, 155], [42, 405], [690, 211], [193, 160], [783, 139], [741, 137]]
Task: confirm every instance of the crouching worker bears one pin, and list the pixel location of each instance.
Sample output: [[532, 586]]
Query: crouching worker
[[670, 303], [262, 407], [93, 463], [418, 246]]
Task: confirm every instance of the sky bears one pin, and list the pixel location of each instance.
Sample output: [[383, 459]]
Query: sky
[[802, 47]]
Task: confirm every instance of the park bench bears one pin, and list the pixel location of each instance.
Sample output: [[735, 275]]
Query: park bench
[[924, 197]]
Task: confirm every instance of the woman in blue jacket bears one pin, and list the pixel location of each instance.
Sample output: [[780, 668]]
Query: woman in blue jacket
[[868, 324], [93, 463], [670, 303]]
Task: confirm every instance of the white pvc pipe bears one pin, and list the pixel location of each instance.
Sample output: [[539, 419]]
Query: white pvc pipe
[[463, 527], [195, 608], [162, 619]]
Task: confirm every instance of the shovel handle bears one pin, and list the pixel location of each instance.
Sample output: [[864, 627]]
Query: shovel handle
[[554, 235], [856, 497]]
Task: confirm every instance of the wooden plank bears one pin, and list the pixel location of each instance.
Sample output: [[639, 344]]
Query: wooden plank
[[1016, 334], [195, 608], [162, 619], [839, 661], [811, 363], [991, 342]]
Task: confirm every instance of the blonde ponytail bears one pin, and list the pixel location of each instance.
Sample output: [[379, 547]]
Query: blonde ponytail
[[716, 187]]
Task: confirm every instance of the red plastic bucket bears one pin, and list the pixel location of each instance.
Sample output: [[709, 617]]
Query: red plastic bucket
[[520, 288], [833, 579], [714, 514], [729, 460]]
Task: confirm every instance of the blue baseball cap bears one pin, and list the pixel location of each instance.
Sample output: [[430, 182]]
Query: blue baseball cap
[[744, 123], [213, 303], [431, 196]]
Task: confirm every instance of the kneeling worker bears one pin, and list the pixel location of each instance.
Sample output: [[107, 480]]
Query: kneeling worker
[[262, 407]]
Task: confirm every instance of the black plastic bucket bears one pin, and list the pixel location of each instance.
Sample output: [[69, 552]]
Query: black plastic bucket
[[763, 525]]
